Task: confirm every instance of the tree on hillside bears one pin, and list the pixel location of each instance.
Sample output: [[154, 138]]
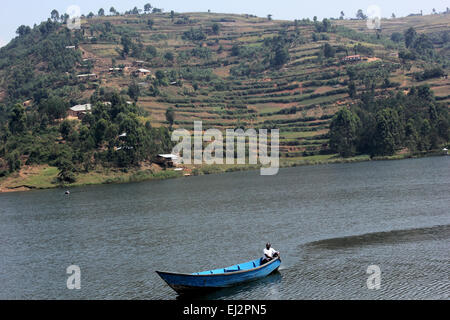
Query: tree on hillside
[[397, 37], [216, 28], [147, 8], [65, 129], [170, 116], [344, 133], [13, 160], [388, 132], [113, 11], [23, 30], [134, 91], [352, 90], [17, 119], [101, 12], [127, 44], [151, 51], [169, 56], [235, 50], [150, 24], [342, 15], [328, 51], [54, 15], [360, 15], [410, 37], [269, 17], [66, 170], [172, 15], [281, 57], [54, 107]]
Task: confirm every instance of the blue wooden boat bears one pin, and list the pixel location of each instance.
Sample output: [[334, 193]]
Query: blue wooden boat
[[219, 278]]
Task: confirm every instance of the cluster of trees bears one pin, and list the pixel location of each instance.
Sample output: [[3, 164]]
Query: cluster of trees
[[148, 8], [194, 35], [380, 127], [36, 137], [417, 45], [272, 54]]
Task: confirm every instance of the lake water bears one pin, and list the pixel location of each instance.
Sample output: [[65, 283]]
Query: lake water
[[330, 223]]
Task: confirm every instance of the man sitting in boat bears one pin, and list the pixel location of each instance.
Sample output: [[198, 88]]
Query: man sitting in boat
[[269, 254]]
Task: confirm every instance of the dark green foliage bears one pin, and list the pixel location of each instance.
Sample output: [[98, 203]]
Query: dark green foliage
[[410, 37], [216, 28], [134, 91], [93, 142], [194, 35], [170, 116], [169, 56], [352, 91], [434, 72], [17, 120], [388, 132], [328, 51], [325, 26], [414, 121], [126, 43], [397, 37], [344, 133], [151, 51], [66, 170], [53, 107], [280, 57], [13, 160], [360, 15]]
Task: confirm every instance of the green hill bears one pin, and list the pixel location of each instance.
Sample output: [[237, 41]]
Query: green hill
[[227, 70]]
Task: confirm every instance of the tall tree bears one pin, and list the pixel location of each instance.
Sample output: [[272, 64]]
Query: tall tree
[[54, 15], [388, 132], [360, 15], [147, 8], [101, 12], [344, 133], [216, 28], [410, 37], [17, 119], [170, 116]]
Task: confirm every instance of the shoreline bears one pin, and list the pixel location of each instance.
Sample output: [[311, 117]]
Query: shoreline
[[103, 178]]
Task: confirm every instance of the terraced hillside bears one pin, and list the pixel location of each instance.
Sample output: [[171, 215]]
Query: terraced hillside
[[243, 71], [205, 64]]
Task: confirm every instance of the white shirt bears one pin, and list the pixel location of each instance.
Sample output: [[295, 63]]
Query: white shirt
[[269, 253]]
